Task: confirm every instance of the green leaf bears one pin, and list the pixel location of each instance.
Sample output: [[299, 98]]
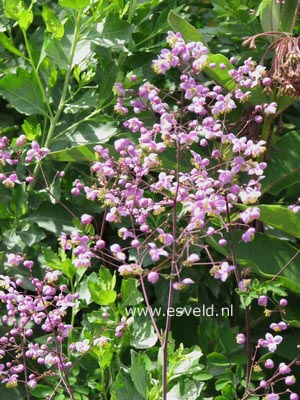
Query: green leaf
[[287, 15], [23, 92], [189, 358], [97, 287], [25, 19], [131, 296], [53, 261], [186, 389], [107, 82], [138, 373], [41, 391], [220, 76], [9, 45], [266, 255], [270, 15], [202, 376], [28, 236], [218, 359], [188, 31], [81, 142], [78, 153], [280, 217], [75, 4], [222, 383], [58, 50], [32, 128], [284, 165], [143, 335], [13, 8], [52, 23], [106, 279], [124, 387], [53, 218], [114, 33]]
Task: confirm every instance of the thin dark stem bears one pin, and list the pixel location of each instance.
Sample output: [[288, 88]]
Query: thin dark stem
[[295, 17], [232, 251], [149, 310], [173, 271], [25, 369], [285, 266], [248, 344]]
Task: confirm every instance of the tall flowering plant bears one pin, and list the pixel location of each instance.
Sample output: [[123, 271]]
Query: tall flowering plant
[[173, 184], [184, 176]]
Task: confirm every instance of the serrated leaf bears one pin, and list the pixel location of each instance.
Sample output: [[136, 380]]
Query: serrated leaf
[[107, 82], [52, 23], [32, 128], [23, 93], [75, 4]]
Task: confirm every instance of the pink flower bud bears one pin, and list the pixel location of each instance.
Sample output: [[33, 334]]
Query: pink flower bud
[[269, 363], [283, 302], [86, 219], [153, 277], [240, 338], [290, 380], [262, 301]]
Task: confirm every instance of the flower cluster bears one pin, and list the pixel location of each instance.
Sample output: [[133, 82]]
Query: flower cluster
[[281, 373], [13, 154], [43, 307], [212, 168]]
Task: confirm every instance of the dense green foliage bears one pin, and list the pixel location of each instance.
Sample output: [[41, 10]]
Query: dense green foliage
[[59, 62]]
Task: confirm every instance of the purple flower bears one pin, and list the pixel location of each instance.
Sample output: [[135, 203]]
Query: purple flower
[[271, 342], [155, 253], [222, 271], [248, 236], [284, 369], [281, 326]]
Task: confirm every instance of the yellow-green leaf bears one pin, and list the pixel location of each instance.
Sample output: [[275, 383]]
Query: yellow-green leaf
[[25, 19], [52, 23]]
